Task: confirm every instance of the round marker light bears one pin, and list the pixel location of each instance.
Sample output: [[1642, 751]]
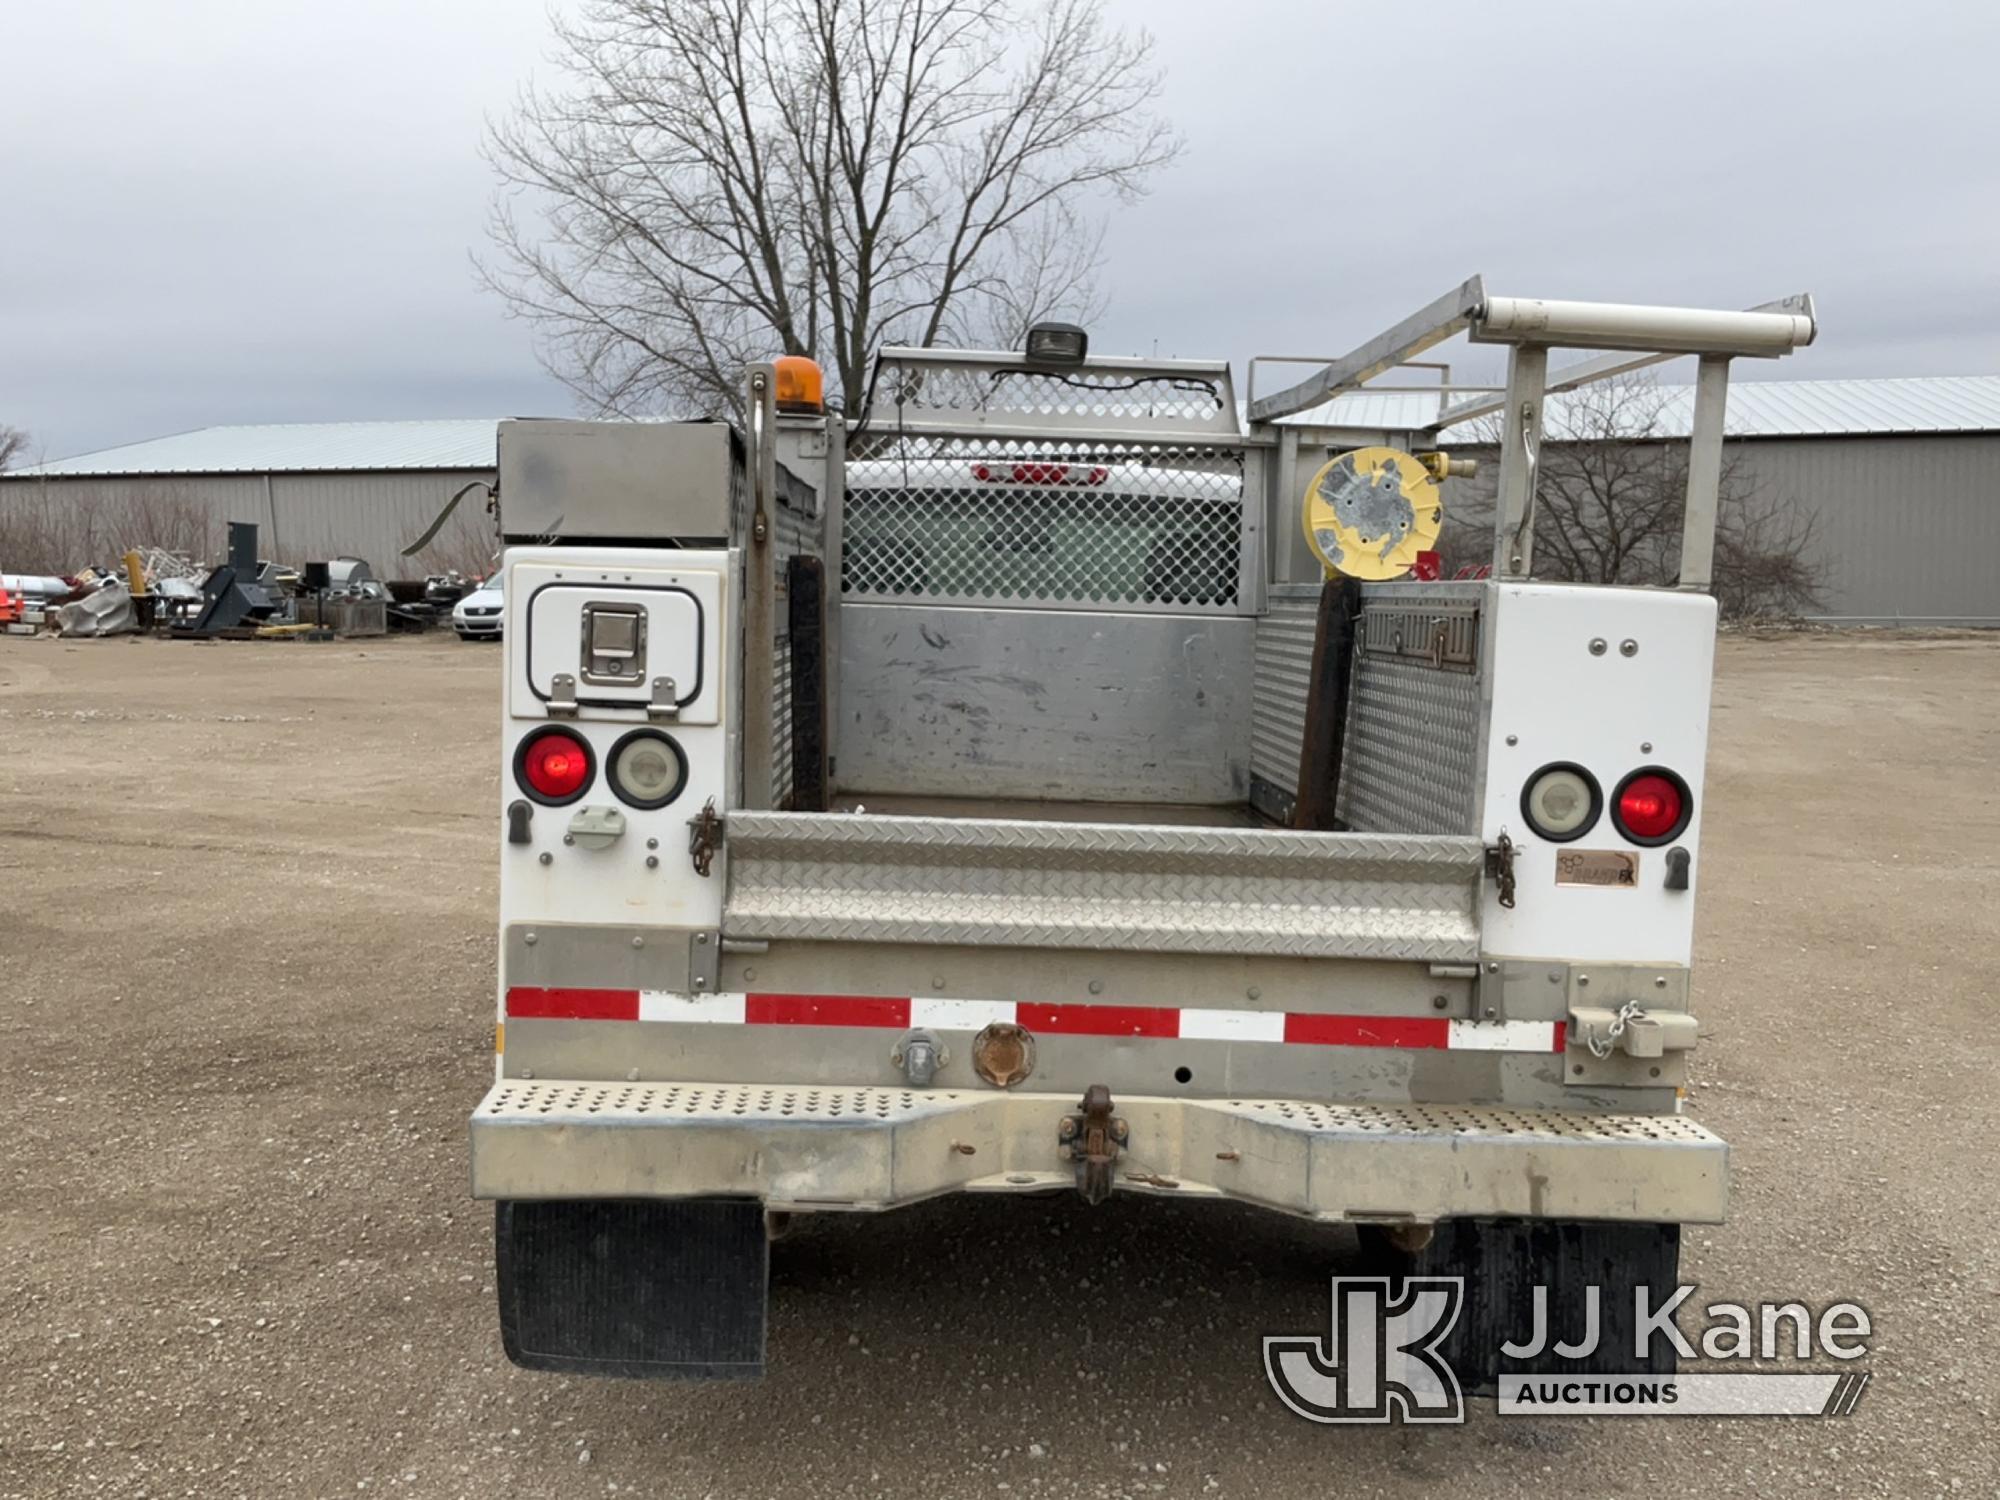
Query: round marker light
[[648, 769], [554, 767], [1652, 806], [1561, 802]]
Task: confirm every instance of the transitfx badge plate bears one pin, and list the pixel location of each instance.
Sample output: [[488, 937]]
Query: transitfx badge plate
[[1614, 869]]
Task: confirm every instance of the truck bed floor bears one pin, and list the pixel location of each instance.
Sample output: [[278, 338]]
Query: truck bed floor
[[1170, 814]]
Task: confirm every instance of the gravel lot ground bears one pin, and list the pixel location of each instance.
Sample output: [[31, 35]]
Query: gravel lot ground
[[245, 1007]]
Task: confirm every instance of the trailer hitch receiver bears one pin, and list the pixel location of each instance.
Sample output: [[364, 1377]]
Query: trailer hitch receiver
[[1092, 1138]]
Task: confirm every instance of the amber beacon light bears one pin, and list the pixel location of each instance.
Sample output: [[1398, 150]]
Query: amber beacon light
[[801, 387]]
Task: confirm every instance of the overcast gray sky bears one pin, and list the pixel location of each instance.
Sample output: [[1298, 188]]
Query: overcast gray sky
[[221, 212]]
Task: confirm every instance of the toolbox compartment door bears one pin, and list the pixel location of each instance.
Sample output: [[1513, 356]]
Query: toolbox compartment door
[[617, 633]]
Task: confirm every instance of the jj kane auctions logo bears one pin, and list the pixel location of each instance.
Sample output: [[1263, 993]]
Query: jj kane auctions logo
[[1381, 1361]]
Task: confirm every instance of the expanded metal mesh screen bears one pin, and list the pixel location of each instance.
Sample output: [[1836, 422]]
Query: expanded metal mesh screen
[[961, 522], [798, 531]]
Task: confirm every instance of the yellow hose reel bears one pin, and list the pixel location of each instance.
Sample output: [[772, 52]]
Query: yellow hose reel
[[1369, 513]]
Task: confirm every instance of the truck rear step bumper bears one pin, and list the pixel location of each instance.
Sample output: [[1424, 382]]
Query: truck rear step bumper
[[820, 1148]]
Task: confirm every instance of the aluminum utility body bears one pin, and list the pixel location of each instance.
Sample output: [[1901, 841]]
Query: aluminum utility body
[[991, 791]]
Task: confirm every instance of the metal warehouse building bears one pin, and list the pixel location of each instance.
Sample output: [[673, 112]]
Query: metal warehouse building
[[315, 490], [1903, 477]]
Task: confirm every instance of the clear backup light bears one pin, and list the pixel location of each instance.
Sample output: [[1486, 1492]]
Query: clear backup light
[[1561, 802], [648, 769]]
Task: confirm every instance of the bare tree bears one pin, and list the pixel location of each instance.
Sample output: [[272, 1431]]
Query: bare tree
[[13, 444], [723, 180], [1611, 495], [58, 527]]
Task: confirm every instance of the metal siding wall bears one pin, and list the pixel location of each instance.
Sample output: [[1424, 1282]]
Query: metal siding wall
[[1909, 526], [376, 515], [373, 515]]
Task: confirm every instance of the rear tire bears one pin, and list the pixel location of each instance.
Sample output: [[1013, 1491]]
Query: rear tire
[[660, 1290]]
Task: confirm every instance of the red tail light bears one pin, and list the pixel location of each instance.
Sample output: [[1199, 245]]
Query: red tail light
[[1652, 806], [1040, 473], [554, 766]]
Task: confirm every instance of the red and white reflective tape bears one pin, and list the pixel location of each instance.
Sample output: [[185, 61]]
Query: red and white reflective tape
[[897, 1012]]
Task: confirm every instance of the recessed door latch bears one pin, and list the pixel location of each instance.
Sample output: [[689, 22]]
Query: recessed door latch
[[518, 814], [614, 644]]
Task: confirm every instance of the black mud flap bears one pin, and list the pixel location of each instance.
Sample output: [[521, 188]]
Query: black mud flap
[[1504, 1260], [646, 1290]]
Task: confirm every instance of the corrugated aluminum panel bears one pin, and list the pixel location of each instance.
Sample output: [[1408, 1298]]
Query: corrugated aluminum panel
[[1278, 683], [1411, 762], [1801, 408], [292, 447], [368, 514], [781, 720], [1907, 528], [1390, 411], [868, 878], [1757, 408], [1411, 758]]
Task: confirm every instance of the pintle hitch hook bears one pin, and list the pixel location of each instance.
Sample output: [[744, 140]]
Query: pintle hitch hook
[[1092, 1138]]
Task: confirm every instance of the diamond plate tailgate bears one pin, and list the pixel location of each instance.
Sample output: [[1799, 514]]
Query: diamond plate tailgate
[[861, 877]]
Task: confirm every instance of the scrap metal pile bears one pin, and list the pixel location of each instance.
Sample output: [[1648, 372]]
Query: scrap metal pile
[[169, 593]]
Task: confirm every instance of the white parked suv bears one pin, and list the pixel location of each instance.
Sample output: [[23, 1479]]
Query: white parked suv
[[477, 616]]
